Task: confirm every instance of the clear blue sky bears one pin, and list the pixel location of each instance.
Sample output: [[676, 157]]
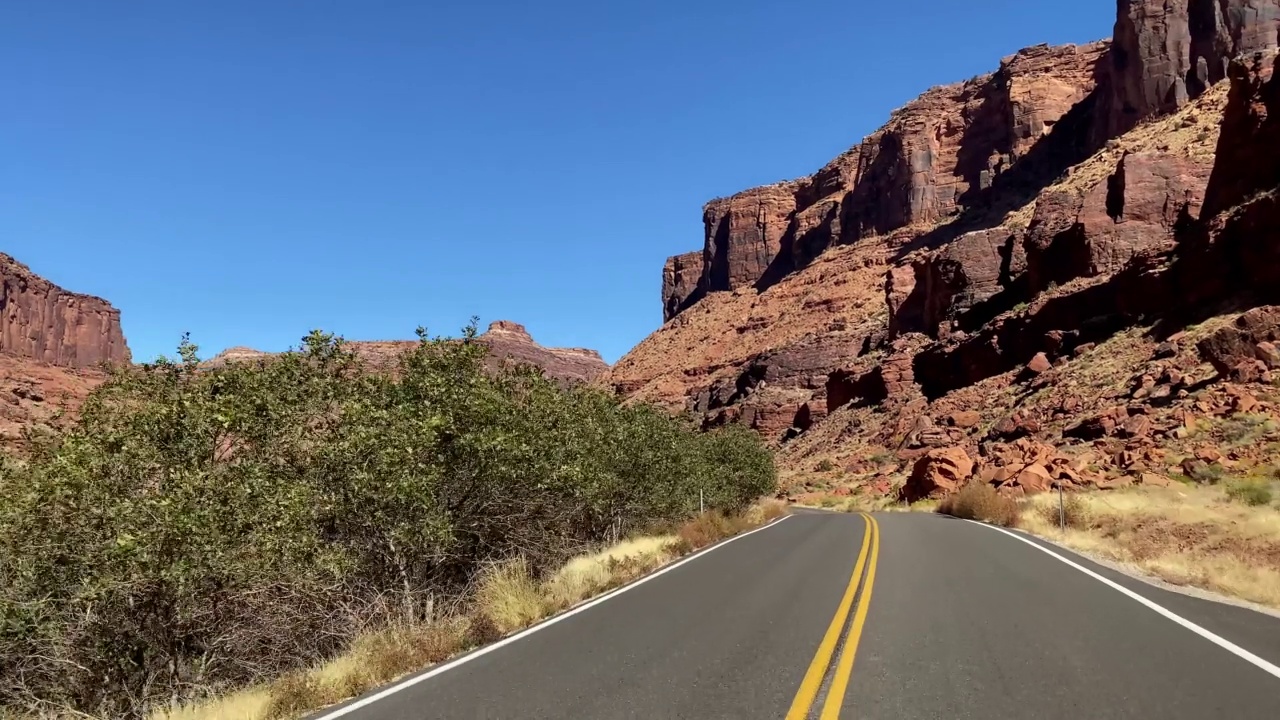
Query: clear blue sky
[[246, 171]]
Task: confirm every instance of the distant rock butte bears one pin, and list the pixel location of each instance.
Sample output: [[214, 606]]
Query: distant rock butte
[[507, 342]]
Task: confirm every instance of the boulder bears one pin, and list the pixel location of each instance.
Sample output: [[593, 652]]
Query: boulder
[[1116, 483], [964, 418], [1014, 427], [1034, 478], [1138, 426], [1039, 364], [1233, 349], [1268, 354], [938, 473], [1097, 426]]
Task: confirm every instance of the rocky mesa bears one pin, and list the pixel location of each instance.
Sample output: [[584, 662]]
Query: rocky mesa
[[1008, 259], [52, 344]]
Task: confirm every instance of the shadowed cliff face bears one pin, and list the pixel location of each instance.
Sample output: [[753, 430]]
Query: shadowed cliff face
[[1167, 52], [988, 235], [40, 321]]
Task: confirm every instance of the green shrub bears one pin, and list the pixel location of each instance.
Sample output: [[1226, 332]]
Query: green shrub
[[882, 458], [1208, 474], [1254, 492], [204, 528], [1246, 428], [825, 465]]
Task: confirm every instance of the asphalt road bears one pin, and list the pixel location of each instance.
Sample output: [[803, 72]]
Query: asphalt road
[[904, 616]]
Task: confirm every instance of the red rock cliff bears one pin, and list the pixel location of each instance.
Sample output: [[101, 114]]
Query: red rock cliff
[[43, 322], [1167, 52], [936, 157], [680, 282]]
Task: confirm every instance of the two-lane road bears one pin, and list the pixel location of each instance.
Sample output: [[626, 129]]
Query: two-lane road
[[900, 616]]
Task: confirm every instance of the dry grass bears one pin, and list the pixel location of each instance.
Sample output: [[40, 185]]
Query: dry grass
[[1070, 511], [1185, 535], [704, 530], [979, 501], [589, 575], [508, 598]]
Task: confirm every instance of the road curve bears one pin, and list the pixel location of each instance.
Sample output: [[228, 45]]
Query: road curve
[[901, 616]]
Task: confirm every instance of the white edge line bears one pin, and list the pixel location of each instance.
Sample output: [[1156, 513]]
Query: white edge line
[[410, 682], [1202, 632]]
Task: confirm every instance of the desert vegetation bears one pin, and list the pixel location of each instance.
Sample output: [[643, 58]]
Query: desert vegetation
[[200, 530], [1223, 538], [1216, 538]]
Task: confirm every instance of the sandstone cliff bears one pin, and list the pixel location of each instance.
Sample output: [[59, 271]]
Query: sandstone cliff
[[51, 344], [936, 157], [41, 321], [1009, 257]]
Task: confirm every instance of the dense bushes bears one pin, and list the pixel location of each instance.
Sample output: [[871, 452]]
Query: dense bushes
[[201, 528]]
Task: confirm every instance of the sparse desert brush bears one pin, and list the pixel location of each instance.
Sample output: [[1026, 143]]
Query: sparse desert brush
[[706, 529], [980, 501], [1252, 491], [1069, 509], [765, 511]]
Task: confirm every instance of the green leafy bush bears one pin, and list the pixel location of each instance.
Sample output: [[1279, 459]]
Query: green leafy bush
[[203, 528]]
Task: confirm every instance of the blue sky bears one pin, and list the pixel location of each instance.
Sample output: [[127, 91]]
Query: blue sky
[[247, 171]]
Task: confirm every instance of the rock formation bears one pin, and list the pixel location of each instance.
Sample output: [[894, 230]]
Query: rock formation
[[40, 321], [1168, 52], [1031, 251], [52, 343], [936, 156], [680, 283], [510, 341]]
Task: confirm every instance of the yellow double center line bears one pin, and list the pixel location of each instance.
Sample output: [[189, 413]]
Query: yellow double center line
[[813, 679]]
